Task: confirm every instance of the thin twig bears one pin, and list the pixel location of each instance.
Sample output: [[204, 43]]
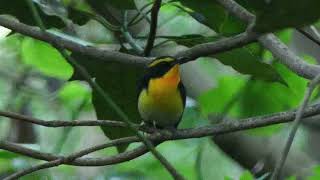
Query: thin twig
[[140, 11], [218, 46], [127, 35], [297, 121], [312, 85], [51, 38], [32, 169], [59, 123], [153, 27], [309, 36], [67, 159]]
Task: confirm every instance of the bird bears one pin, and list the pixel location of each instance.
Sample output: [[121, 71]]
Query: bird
[[161, 94]]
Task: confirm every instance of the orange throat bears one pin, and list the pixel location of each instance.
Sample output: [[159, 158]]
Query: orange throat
[[166, 84]]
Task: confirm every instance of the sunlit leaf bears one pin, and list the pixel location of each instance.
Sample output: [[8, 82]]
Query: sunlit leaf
[[73, 93], [123, 4], [45, 58], [246, 176]]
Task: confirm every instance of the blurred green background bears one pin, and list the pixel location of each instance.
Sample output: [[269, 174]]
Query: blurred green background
[[35, 80]]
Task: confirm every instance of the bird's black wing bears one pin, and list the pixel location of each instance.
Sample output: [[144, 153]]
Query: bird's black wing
[[182, 93]]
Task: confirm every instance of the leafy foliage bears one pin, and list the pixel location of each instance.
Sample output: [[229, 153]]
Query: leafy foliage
[[45, 58], [20, 10], [260, 86], [119, 80], [276, 15]]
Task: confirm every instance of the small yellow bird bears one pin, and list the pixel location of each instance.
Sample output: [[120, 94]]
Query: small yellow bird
[[162, 95]]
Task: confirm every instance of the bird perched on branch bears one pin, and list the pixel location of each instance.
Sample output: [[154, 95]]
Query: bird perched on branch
[[162, 96]]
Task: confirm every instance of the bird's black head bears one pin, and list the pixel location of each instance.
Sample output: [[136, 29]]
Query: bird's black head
[[161, 66]]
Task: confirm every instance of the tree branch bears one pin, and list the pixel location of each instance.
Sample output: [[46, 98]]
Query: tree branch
[[295, 126], [51, 38], [67, 159], [271, 42], [153, 26], [59, 123], [205, 49], [163, 135], [288, 58], [309, 36], [219, 46]]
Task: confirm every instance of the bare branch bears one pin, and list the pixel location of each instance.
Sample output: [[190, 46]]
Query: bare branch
[[35, 168], [153, 27], [235, 9], [295, 125], [205, 49], [67, 159], [95, 52], [219, 46], [59, 123], [288, 58], [217, 129], [310, 36]]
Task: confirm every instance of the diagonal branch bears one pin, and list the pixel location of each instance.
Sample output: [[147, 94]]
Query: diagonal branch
[[271, 42], [225, 44], [305, 32], [312, 85], [205, 49], [153, 27], [52, 38], [68, 159]]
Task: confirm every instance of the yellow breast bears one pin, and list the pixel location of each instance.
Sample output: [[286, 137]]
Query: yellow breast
[[161, 102]]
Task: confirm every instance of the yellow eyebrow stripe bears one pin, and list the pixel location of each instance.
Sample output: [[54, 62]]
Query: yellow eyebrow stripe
[[157, 61]]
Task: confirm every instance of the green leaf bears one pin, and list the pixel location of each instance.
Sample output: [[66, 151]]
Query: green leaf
[[21, 11], [73, 93], [279, 14], [53, 8], [123, 4], [5, 155], [181, 154], [315, 173], [271, 15], [241, 59], [120, 82], [246, 63], [45, 58], [246, 176], [215, 100], [190, 40], [254, 97], [215, 16], [292, 178]]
